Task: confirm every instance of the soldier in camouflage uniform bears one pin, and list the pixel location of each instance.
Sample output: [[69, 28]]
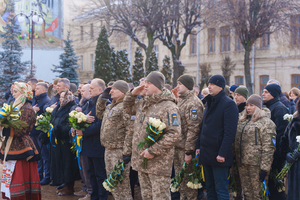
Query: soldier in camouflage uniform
[[254, 146], [113, 133], [160, 104], [191, 114]]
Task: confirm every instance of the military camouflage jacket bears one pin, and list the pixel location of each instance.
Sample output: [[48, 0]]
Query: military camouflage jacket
[[114, 122], [163, 107], [191, 113], [255, 142]]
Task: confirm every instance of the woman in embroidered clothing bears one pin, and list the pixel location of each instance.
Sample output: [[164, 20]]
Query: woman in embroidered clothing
[[20, 178]]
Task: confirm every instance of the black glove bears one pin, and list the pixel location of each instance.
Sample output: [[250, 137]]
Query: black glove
[[262, 175], [296, 154], [126, 159], [105, 94], [289, 158]]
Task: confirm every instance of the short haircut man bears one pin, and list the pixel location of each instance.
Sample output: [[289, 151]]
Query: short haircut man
[[100, 83], [44, 85], [65, 81]]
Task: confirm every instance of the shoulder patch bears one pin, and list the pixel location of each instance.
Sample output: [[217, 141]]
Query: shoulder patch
[[274, 139], [194, 114], [175, 121]]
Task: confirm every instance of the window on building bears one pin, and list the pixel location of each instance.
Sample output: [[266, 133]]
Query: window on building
[[265, 41], [81, 33], [81, 63], [296, 80], [238, 44], [92, 62], [193, 40], [211, 40], [92, 31], [225, 39], [295, 22], [156, 51], [263, 82], [239, 80]]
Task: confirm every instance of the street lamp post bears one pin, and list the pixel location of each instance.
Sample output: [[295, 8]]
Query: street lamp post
[[33, 18]]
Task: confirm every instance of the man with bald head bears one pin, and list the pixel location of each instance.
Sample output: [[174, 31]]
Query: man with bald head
[[92, 150]]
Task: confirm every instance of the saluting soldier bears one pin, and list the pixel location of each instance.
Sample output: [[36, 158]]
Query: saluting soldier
[[161, 104]]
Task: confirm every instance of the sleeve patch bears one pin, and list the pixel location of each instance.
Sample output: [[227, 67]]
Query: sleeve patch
[[274, 139], [175, 121], [194, 114]]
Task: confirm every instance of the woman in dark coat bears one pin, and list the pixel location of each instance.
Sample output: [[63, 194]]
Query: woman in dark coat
[[64, 167], [20, 178], [289, 145]]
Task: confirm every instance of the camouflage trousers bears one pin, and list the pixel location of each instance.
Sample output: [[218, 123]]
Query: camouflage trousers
[[250, 181], [235, 174], [122, 191], [186, 193], [154, 187]]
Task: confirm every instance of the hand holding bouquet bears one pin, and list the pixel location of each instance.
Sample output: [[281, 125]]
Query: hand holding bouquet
[[43, 121], [176, 181], [294, 157], [10, 117], [154, 129], [116, 176]]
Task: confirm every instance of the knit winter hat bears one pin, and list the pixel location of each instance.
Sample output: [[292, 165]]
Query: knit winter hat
[[255, 100], [274, 90], [233, 88], [242, 91], [187, 81], [218, 80], [157, 79], [121, 85]]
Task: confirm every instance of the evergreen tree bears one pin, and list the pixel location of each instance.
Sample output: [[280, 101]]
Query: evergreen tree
[[123, 70], [153, 63], [166, 70], [114, 64], [138, 67], [103, 65], [11, 66], [68, 63]]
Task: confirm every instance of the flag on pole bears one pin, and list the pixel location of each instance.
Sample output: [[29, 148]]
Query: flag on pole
[[53, 25]]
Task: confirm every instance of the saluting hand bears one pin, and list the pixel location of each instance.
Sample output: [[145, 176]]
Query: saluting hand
[[146, 154], [138, 90]]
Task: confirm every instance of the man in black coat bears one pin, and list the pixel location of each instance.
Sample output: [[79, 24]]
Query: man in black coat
[[282, 98], [271, 95], [91, 146], [41, 99], [216, 137]]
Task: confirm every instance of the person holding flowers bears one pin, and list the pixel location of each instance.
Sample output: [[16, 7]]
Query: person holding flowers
[[64, 167], [289, 147], [41, 99], [191, 109], [20, 178], [159, 104], [254, 146], [113, 133], [92, 154]]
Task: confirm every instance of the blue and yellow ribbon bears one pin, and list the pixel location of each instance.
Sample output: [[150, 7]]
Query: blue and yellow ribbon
[[77, 140], [50, 135], [266, 190], [156, 132], [6, 109]]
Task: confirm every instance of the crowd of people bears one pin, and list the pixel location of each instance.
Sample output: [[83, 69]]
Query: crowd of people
[[234, 134]]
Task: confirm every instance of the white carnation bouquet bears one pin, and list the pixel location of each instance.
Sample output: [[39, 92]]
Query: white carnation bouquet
[[77, 120]]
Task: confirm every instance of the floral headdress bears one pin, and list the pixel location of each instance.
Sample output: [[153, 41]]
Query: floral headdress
[[26, 93]]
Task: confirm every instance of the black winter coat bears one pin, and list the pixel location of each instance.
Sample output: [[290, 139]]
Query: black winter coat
[[91, 145], [218, 130], [63, 165], [54, 99], [285, 101], [288, 144], [40, 101], [278, 110]]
